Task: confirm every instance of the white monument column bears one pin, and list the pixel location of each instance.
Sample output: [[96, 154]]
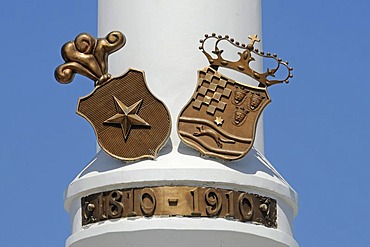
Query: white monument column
[[162, 40]]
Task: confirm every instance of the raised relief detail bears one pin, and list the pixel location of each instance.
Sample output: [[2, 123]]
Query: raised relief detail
[[204, 131], [267, 208], [126, 117], [255, 100], [220, 119], [211, 92], [129, 121], [240, 114], [240, 93], [184, 201]]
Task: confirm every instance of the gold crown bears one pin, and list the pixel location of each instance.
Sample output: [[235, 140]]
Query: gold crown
[[89, 57], [242, 65]]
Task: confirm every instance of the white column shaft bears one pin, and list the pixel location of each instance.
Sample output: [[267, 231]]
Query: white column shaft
[[163, 39]]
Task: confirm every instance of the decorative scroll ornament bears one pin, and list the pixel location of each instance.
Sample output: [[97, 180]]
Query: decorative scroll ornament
[[220, 119], [129, 121], [186, 201]]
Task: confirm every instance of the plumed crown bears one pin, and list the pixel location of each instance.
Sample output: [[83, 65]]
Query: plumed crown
[[89, 57], [246, 57]]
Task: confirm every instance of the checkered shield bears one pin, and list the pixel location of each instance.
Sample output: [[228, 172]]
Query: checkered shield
[[221, 117]]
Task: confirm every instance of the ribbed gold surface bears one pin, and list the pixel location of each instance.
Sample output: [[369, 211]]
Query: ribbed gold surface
[[142, 141]]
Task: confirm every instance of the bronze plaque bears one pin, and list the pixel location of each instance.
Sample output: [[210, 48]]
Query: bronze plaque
[[129, 121], [185, 201], [220, 119]]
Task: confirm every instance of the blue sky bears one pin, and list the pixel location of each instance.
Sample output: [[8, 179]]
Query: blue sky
[[316, 129]]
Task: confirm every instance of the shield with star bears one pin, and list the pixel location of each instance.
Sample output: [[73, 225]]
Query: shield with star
[[221, 117], [129, 122]]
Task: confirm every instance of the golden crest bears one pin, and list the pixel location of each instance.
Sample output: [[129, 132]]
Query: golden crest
[[220, 119], [129, 121]]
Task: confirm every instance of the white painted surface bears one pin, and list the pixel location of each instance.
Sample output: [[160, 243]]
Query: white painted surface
[[180, 232], [163, 39]]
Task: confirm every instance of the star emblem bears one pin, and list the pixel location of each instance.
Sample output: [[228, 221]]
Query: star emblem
[[219, 121], [126, 117]]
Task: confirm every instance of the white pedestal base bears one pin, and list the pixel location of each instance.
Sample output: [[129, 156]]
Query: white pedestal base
[[253, 174], [179, 232]]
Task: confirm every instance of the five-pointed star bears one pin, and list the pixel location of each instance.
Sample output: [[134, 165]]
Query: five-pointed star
[[219, 121], [126, 116]]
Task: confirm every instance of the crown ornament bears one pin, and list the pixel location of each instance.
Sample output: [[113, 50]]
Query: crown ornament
[[89, 57], [247, 56]]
